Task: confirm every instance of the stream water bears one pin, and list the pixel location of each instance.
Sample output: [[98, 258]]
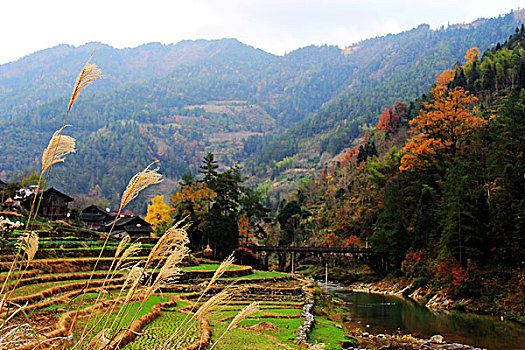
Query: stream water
[[388, 314]]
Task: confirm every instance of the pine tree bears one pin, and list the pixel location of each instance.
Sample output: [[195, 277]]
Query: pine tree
[[209, 169]]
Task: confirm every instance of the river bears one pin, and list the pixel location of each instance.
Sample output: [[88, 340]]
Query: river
[[389, 314]]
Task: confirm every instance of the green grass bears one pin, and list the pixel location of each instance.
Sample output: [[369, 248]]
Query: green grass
[[281, 338], [275, 312], [257, 274], [263, 306], [88, 300], [326, 332], [146, 308], [36, 288], [158, 331], [209, 267]]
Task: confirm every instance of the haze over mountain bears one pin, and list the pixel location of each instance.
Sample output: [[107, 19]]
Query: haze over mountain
[[177, 102]]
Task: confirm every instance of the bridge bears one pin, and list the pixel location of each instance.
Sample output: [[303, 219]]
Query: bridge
[[376, 260]]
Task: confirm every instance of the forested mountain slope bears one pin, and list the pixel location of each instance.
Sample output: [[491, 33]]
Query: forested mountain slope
[[439, 187], [399, 67], [173, 103]]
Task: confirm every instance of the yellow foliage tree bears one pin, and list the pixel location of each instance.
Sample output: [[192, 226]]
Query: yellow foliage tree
[[159, 214], [193, 200]]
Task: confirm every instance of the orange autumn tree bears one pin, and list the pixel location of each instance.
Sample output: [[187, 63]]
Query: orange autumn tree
[[159, 213], [472, 55], [442, 128], [244, 230], [391, 117], [193, 201]]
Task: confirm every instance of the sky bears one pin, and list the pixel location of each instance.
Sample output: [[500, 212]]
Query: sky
[[276, 26]]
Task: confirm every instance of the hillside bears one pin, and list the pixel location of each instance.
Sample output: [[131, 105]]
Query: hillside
[[439, 188], [176, 102], [398, 67]]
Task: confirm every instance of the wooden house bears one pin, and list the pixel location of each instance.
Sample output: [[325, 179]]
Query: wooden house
[[54, 205], [96, 218], [134, 226]]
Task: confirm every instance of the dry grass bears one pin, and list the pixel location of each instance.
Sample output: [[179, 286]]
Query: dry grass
[[139, 182], [57, 150]]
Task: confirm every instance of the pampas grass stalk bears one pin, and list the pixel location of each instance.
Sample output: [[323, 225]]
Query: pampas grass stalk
[[59, 146], [130, 251], [225, 265], [100, 340], [88, 74], [133, 278], [138, 182], [247, 311], [173, 245]]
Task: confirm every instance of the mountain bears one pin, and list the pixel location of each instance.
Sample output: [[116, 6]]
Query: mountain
[[439, 188], [394, 67], [175, 103], [49, 74]]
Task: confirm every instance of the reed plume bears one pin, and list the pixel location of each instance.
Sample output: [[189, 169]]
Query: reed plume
[[87, 75], [226, 294], [29, 244], [124, 242], [139, 182], [175, 236], [132, 250], [170, 272], [247, 311], [59, 146], [225, 265], [99, 341], [134, 276], [218, 273]]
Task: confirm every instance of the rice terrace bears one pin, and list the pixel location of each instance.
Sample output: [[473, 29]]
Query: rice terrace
[[66, 287]]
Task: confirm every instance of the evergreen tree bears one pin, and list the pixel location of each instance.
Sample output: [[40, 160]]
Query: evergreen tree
[[289, 217], [460, 225], [209, 169]]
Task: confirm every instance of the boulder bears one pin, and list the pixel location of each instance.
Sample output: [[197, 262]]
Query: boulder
[[438, 339]]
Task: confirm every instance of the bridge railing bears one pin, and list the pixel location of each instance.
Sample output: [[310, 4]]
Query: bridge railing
[[278, 249]]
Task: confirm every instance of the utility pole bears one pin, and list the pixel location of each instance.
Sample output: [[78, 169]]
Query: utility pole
[[326, 272], [293, 262]]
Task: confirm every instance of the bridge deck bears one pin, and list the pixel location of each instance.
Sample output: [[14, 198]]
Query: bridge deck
[[288, 249]]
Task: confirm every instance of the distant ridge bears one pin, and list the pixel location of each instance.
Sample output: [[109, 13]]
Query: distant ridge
[[174, 102]]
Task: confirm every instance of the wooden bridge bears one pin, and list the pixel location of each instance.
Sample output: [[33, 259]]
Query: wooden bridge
[[377, 261]]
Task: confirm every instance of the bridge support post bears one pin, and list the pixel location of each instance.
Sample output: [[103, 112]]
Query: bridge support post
[[293, 262], [282, 262]]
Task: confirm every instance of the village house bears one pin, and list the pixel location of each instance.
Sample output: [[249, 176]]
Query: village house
[[96, 218], [129, 224], [54, 204]]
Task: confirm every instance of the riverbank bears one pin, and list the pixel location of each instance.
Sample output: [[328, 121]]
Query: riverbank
[[433, 300], [361, 335]]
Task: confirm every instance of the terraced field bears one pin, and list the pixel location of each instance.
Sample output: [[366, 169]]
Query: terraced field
[[56, 288]]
